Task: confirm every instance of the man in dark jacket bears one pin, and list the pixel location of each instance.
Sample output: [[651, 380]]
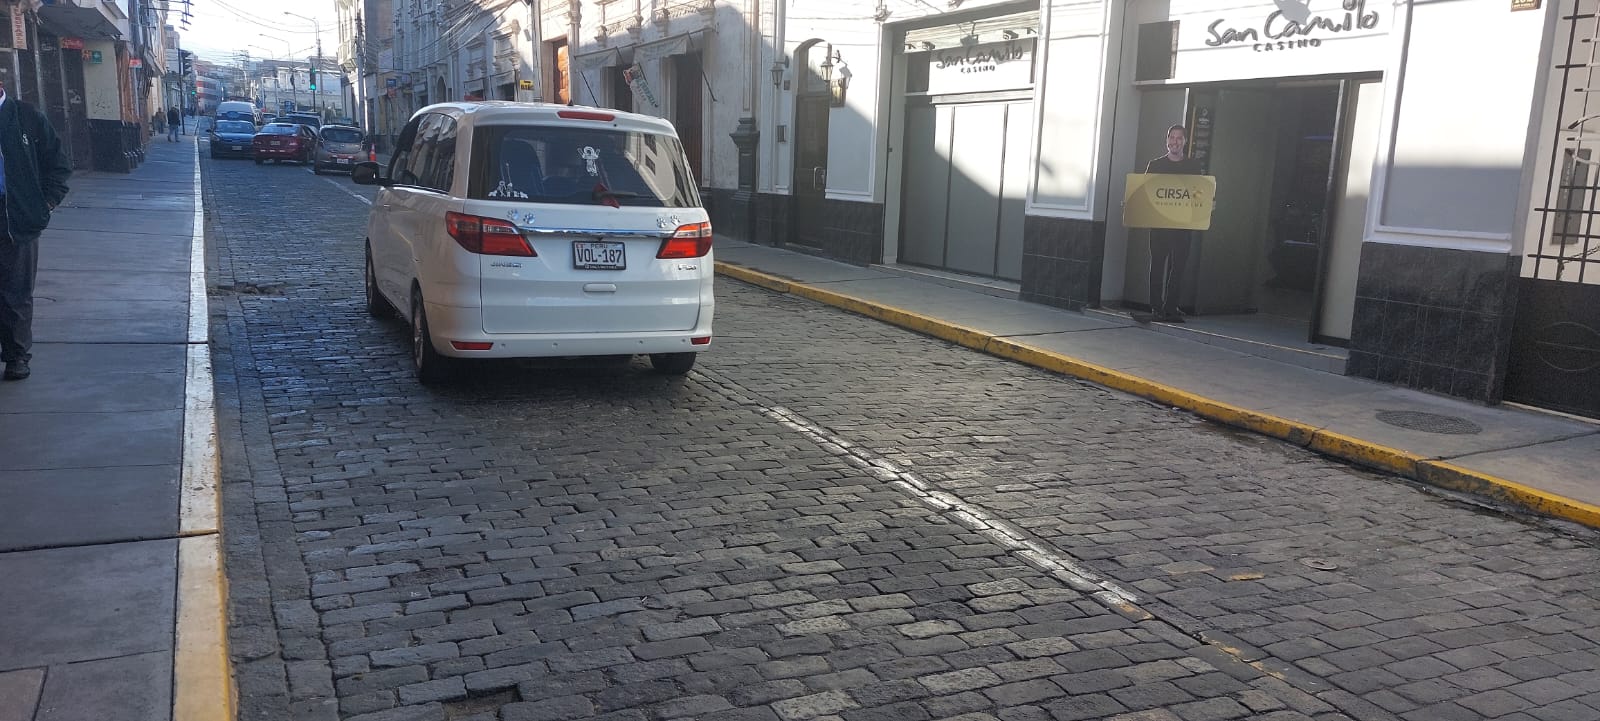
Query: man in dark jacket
[[174, 124], [33, 174], [1169, 249]]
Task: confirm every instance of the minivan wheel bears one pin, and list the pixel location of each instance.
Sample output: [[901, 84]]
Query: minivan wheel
[[432, 368], [377, 305], [675, 364]]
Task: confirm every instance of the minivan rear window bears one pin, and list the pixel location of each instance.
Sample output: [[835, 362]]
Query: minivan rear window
[[580, 166]]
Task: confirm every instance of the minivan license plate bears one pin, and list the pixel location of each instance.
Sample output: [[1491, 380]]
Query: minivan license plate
[[598, 255]]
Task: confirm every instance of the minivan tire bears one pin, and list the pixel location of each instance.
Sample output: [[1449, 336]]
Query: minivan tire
[[377, 305], [432, 368], [672, 364]]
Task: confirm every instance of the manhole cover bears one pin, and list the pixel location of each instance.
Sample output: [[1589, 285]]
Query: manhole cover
[[1321, 564], [1430, 422]]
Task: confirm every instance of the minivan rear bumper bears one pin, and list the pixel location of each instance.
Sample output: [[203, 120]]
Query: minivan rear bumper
[[451, 323]]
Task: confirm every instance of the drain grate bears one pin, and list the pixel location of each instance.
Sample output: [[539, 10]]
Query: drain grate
[[1430, 422]]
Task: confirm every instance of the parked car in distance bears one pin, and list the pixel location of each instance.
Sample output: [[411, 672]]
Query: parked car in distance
[[308, 119], [285, 141], [339, 147], [233, 138], [518, 230]]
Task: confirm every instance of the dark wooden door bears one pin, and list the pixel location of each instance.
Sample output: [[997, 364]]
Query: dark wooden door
[[810, 182], [77, 130], [687, 107]]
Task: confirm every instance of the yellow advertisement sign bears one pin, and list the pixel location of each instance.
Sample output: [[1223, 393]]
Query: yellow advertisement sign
[[1177, 202]]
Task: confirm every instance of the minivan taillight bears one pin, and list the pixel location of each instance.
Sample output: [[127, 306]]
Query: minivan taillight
[[486, 236], [690, 241]]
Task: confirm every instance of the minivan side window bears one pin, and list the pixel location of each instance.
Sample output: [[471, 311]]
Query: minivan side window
[[422, 150], [402, 152], [442, 169]]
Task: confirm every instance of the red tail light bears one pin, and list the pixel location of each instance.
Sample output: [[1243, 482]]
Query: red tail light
[[486, 236], [470, 345], [585, 115], [691, 241]]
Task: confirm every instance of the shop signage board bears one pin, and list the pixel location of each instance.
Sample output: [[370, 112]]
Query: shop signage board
[[1177, 202], [71, 43], [1229, 40], [1004, 65], [19, 28]]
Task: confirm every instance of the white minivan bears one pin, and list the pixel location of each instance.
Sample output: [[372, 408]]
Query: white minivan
[[519, 230], [237, 110]]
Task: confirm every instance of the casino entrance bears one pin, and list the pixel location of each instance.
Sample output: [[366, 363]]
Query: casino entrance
[[1293, 162]]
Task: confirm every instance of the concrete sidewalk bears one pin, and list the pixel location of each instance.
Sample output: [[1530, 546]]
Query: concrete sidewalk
[[107, 505], [1532, 461]]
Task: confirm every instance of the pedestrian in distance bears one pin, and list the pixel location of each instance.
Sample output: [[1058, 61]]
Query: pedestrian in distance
[[174, 123], [33, 176]]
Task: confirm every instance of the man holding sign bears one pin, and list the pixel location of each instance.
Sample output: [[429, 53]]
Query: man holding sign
[[1161, 206]]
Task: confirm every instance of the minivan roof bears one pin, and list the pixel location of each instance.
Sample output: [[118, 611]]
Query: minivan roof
[[505, 111]]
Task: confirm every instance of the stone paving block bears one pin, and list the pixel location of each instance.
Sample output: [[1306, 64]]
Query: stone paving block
[[577, 507], [813, 706]]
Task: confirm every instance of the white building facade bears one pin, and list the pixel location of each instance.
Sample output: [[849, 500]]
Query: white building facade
[[1362, 207]]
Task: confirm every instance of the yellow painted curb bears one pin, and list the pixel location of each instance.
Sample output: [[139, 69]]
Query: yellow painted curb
[[1366, 453], [202, 688], [202, 675], [1466, 480], [1337, 445], [753, 277]]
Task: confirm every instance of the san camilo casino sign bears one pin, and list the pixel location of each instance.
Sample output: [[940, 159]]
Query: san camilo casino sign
[[1295, 27]]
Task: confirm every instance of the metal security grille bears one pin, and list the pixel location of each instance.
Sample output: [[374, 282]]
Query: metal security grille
[[1568, 239]]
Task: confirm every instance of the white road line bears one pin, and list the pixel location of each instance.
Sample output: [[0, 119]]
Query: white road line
[[199, 497], [351, 193], [1033, 552]]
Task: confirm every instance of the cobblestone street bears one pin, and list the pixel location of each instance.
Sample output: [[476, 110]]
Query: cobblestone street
[[828, 518]]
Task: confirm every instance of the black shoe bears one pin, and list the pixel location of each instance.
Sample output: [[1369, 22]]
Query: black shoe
[[1174, 318], [17, 370], [1143, 317]]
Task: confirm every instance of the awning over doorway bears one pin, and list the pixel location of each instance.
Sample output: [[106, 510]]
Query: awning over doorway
[[609, 57], [667, 47], [65, 19]]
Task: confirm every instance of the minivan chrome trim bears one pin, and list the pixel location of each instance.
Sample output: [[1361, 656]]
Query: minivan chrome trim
[[590, 232]]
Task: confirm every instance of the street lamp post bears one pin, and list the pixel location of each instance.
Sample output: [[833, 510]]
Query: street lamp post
[[288, 50], [315, 91]]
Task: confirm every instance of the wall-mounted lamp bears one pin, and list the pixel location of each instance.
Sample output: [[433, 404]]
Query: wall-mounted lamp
[[1009, 35], [927, 45], [836, 86], [779, 65]]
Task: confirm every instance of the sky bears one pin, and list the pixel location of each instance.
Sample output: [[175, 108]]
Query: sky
[[219, 29]]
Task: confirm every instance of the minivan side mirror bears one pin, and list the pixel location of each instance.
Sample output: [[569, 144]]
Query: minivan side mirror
[[367, 173]]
